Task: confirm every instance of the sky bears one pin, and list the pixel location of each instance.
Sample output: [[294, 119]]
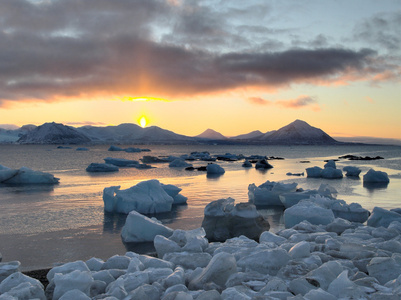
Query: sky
[[233, 66]]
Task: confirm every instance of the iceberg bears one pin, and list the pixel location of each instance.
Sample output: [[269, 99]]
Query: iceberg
[[179, 163], [147, 197], [373, 176], [96, 167], [263, 164], [352, 171], [214, 169], [139, 228], [25, 175]]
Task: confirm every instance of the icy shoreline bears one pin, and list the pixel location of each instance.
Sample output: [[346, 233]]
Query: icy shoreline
[[338, 260]]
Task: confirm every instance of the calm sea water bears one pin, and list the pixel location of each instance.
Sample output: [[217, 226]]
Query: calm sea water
[[41, 225]]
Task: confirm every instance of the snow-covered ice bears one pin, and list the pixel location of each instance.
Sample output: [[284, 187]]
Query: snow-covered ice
[[147, 197], [340, 260], [25, 175]]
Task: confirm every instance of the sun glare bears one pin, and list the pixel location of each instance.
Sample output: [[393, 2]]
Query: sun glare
[[143, 122]]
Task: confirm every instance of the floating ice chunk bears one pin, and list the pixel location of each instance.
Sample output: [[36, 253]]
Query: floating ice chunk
[[352, 171], [217, 271], [219, 207], [353, 212], [8, 268], [214, 169], [247, 164], [382, 217], [376, 177], [95, 167], [265, 262], [139, 228], [331, 173], [330, 164], [115, 148], [132, 150], [148, 159], [79, 280], [179, 163], [327, 190], [309, 211], [146, 197], [120, 162], [314, 172], [295, 174], [82, 149], [25, 175], [263, 164]]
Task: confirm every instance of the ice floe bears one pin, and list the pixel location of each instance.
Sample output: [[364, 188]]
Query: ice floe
[[96, 167], [25, 175]]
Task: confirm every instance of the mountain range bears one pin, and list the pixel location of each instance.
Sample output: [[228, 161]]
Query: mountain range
[[296, 133]]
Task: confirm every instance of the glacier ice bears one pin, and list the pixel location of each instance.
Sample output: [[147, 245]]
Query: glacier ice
[[139, 228], [147, 197]]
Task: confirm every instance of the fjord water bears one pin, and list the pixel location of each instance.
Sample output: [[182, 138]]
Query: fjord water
[[41, 224]]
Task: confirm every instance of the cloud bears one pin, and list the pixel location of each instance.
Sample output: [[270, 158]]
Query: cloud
[[381, 29], [258, 100], [134, 48], [300, 102]]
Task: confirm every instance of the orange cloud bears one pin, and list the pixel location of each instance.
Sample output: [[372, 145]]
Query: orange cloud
[[300, 102]]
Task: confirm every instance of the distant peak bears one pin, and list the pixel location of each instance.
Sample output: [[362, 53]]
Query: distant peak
[[211, 134]]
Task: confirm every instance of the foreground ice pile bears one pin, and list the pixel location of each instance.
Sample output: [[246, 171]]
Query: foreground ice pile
[[25, 175], [340, 260], [147, 197]]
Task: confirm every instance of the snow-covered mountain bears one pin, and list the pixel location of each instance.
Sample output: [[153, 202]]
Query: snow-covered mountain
[[131, 133], [247, 136], [211, 134], [54, 133], [299, 132]]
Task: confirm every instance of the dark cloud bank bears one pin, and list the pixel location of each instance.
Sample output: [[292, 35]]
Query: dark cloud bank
[[97, 47]]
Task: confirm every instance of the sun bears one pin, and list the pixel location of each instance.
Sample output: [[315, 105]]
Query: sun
[[142, 121]]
